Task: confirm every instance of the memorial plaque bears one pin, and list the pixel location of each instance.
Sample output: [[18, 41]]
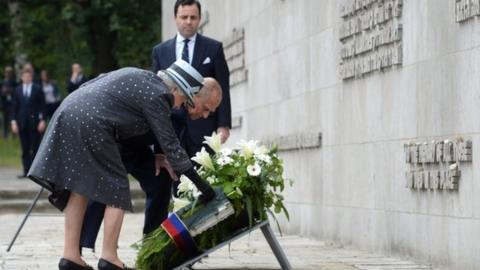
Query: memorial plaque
[[466, 10], [298, 141], [371, 37], [436, 164]]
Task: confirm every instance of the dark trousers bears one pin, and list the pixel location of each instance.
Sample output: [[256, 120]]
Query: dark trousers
[[29, 140], [140, 163], [6, 121]]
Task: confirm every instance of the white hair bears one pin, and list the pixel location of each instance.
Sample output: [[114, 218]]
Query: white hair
[[171, 84]]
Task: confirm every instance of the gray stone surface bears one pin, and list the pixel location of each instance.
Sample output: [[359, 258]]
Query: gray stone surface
[[39, 246], [351, 189]]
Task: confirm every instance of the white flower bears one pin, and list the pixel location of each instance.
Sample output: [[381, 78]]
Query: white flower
[[226, 152], [195, 192], [265, 158], [185, 185], [204, 159], [247, 148], [214, 141], [254, 170], [260, 150], [211, 179], [179, 203], [222, 161]]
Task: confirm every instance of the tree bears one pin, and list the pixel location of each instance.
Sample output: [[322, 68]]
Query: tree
[[102, 35], [6, 43]]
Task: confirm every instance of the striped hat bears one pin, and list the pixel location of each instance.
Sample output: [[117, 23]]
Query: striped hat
[[189, 80]]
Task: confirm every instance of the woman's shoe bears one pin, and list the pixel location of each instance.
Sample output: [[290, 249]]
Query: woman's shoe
[[65, 264], [106, 265]]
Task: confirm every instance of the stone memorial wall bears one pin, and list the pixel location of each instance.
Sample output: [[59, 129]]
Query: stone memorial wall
[[234, 47]]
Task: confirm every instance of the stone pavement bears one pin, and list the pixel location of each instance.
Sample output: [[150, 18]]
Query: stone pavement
[[39, 246]]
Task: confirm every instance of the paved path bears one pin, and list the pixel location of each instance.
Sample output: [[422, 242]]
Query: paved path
[[39, 246]]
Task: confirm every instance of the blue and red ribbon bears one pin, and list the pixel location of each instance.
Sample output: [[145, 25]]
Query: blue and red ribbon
[[179, 233]]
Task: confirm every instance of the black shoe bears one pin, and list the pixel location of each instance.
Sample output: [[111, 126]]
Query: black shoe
[[65, 264], [106, 265]]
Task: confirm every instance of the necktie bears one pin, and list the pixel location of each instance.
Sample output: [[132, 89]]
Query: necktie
[[185, 56]]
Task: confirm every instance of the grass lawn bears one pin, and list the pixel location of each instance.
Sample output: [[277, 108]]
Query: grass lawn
[[10, 153]]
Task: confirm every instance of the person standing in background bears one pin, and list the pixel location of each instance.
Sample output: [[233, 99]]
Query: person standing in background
[[52, 96], [8, 86], [35, 76], [205, 55], [76, 78], [28, 117]]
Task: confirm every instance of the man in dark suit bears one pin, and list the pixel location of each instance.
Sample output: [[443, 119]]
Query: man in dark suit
[[28, 117], [76, 78], [205, 55]]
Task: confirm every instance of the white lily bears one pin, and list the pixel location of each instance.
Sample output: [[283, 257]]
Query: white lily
[[260, 150], [226, 152], [196, 192], [179, 204], [203, 158], [185, 184], [214, 141], [254, 170], [247, 148]]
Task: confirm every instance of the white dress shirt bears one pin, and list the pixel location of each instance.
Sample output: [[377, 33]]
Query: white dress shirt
[[27, 90], [179, 46]]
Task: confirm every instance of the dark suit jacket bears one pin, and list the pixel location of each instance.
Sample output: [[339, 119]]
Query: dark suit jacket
[[74, 86], [27, 112], [163, 55]]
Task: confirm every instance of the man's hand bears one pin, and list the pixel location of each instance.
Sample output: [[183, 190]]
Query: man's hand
[[161, 162], [41, 126], [14, 127], [224, 133]]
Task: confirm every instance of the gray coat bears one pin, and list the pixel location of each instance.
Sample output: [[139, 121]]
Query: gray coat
[[79, 151]]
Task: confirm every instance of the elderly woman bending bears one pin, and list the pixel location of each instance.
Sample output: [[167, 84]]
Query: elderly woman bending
[[79, 159]]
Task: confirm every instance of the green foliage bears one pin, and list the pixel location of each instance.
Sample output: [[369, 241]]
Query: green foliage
[[6, 41], [10, 153], [102, 35], [252, 179]]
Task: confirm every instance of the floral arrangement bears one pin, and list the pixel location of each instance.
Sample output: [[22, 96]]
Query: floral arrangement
[[251, 176]]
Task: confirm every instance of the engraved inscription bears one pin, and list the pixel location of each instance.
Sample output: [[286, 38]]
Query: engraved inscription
[[371, 36], [436, 164]]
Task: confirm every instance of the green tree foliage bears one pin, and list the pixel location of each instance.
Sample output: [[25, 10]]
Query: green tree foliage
[[6, 45], [102, 35]]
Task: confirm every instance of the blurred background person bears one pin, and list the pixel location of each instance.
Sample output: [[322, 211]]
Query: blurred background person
[[52, 95], [77, 78], [28, 117], [8, 86], [35, 76]]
